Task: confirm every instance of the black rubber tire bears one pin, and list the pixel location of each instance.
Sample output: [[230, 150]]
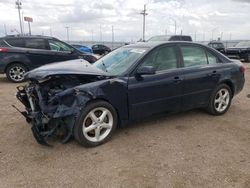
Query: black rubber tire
[[78, 134], [15, 65], [211, 107]]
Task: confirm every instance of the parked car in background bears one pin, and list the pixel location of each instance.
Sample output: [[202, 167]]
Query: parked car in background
[[219, 46], [20, 54], [240, 51], [82, 48], [89, 101], [100, 49], [159, 38]]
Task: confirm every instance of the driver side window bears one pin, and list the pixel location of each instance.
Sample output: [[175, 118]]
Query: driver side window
[[162, 59]]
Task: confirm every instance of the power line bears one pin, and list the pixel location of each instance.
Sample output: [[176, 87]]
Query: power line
[[144, 14]]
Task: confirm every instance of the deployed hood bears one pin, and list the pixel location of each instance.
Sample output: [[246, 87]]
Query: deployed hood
[[77, 67]]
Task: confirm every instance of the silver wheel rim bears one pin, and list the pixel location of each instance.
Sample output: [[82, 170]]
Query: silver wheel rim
[[16, 73], [97, 124], [222, 99]]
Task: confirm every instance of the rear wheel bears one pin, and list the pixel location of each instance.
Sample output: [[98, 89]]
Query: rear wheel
[[220, 100], [96, 124], [15, 72]]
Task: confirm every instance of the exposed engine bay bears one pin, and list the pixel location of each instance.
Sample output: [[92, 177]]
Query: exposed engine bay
[[53, 103]]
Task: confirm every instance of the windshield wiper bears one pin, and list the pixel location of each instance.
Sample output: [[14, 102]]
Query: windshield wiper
[[103, 64]]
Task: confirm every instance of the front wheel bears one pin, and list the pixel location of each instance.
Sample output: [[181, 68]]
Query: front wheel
[[95, 124], [220, 100], [15, 72]]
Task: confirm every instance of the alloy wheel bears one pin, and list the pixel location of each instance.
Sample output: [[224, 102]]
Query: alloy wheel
[[16, 73], [97, 124], [222, 99]]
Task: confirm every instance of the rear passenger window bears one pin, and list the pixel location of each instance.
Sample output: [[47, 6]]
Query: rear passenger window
[[35, 44], [211, 58], [193, 56], [15, 42], [162, 59]]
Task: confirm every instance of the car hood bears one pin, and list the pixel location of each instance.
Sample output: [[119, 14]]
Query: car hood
[[76, 67]]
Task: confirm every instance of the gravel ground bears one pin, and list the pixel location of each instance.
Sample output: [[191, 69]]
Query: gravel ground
[[191, 149]]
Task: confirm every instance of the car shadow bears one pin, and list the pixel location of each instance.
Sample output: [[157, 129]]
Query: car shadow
[[3, 79]]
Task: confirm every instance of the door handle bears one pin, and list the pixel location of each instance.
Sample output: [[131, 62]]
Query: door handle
[[213, 73], [177, 79]]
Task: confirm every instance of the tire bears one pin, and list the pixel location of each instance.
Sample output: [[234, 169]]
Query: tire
[[220, 100], [15, 72], [90, 122]]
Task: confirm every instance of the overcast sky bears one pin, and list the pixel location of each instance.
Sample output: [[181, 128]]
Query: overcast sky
[[86, 18]]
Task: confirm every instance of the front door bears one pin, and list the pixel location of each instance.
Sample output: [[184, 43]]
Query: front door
[[160, 92]]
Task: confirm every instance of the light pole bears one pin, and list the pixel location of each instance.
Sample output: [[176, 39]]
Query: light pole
[[112, 37], [67, 28], [144, 14], [5, 30], [19, 6], [175, 25], [213, 32]]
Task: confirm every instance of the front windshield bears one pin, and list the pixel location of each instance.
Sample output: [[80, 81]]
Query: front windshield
[[245, 44], [119, 60]]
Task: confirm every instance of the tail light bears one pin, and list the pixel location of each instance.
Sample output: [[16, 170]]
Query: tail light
[[242, 69], [3, 49]]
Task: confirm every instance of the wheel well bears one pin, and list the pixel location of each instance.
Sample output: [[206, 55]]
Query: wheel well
[[230, 84], [15, 62]]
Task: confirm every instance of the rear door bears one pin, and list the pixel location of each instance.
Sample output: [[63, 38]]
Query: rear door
[[201, 74], [160, 92], [37, 52]]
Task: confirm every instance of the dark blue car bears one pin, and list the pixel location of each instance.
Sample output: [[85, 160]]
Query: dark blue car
[[89, 101]]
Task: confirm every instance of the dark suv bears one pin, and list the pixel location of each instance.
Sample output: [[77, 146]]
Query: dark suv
[[100, 49], [240, 51], [19, 54], [219, 46]]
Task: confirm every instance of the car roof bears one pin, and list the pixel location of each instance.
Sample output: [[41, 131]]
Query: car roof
[[155, 44], [27, 37]]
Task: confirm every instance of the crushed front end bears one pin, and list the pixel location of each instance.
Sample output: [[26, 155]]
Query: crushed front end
[[52, 105]]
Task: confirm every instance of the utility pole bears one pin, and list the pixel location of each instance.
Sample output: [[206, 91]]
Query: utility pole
[[100, 33], [112, 37], [19, 7], [221, 35], [92, 35], [50, 30], [67, 28], [5, 30], [175, 27], [144, 14]]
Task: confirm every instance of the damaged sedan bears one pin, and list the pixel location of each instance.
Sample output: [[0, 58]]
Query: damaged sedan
[[89, 101]]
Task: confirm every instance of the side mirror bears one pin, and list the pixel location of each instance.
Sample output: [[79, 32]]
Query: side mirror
[[145, 70]]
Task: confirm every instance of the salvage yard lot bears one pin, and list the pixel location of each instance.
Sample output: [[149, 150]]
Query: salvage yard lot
[[191, 149]]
